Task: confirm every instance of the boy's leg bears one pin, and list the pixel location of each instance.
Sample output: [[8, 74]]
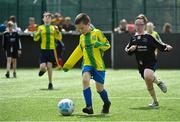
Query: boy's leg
[[42, 69], [87, 93], [9, 59], [8, 67], [43, 61], [49, 68], [104, 96], [102, 92], [149, 77], [14, 64], [160, 84]]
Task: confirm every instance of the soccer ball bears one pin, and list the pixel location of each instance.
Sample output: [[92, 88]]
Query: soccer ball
[[66, 107]]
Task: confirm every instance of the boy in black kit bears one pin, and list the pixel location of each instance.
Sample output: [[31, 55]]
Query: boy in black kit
[[12, 47], [143, 46]]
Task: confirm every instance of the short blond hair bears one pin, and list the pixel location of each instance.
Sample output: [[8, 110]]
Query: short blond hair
[[142, 16]]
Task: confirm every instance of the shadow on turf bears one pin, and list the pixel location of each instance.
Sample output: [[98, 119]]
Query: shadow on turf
[[144, 108], [148, 108], [46, 89], [9, 78], [86, 115], [93, 115]]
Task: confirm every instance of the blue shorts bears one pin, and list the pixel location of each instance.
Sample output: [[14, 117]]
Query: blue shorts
[[98, 76], [47, 56]]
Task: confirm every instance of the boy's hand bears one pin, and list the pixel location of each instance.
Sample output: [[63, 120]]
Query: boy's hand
[[132, 48], [39, 31], [56, 28], [168, 48], [19, 53], [98, 44]]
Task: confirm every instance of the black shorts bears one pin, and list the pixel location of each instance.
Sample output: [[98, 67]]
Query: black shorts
[[47, 56], [12, 54], [141, 68]]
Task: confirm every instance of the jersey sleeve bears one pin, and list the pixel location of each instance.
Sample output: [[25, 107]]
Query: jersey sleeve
[[18, 42], [3, 42], [37, 35], [58, 35], [156, 44], [105, 43], [157, 37], [74, 58]]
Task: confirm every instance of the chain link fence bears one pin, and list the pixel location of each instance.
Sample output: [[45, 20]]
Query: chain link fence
[[105, 14]]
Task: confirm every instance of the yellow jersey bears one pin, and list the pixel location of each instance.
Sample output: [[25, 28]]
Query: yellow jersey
[[48, 35], [92, 56]]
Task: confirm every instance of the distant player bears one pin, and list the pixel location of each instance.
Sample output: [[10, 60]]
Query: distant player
[[47, 33], [150, 29], [143, 46], [92, 46], [12, 47]]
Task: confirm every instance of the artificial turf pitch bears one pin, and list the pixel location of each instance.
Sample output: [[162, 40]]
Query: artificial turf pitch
[[26, 97]]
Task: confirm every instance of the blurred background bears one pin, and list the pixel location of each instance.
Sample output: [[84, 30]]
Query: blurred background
[[114, 17], [110, 11]]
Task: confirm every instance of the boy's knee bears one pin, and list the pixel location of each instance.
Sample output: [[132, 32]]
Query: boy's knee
[[85, 80], [99, 89], [148, 77], [49, 67], [43, 65], [43, 68], [8, 59]]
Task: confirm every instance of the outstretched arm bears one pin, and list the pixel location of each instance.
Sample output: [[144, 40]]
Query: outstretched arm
[[161, 46], [73, 59]]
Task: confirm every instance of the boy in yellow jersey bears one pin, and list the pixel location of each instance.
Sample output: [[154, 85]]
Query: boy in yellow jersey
[[47, 33], [150, 29], [91, 47]]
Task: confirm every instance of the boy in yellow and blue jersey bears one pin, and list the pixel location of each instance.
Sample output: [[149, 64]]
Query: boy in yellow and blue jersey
[[47, 33], [92, 46]]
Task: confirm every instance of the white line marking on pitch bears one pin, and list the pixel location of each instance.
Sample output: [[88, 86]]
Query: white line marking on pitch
[[72, 97]]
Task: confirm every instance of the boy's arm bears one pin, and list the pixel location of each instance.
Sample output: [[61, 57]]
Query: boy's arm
[[19, 42], [161, 46], [130, 48], [73, 59], [37, 34], [58, 34], [157, 37], [102, 42], [3, 42], [58, 37]]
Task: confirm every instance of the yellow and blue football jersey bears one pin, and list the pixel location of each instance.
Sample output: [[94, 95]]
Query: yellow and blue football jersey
[[92, 56]]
